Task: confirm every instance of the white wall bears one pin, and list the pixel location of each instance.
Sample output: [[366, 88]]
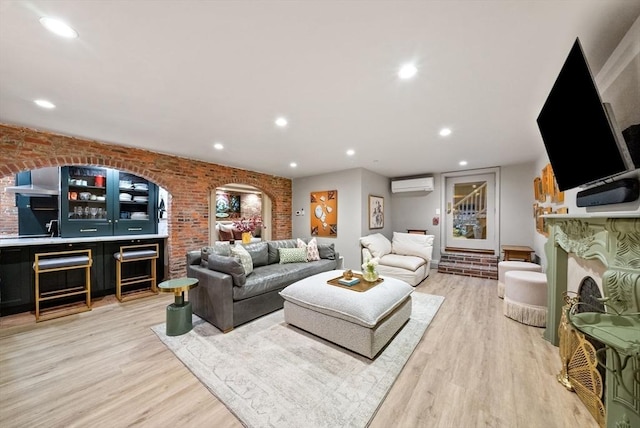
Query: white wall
[[517, 223], [347, 183], [416, 210]]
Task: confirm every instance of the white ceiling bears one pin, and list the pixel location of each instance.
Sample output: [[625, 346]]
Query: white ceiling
[[177, 76]]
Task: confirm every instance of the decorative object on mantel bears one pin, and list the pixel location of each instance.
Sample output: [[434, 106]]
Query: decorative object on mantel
[[324, 209]]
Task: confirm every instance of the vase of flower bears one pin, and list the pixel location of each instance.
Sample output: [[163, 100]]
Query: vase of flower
[[369, 271], [246, 226], [370, 276]]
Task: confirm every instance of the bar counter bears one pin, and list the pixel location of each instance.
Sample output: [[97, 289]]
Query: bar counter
[[17, 256], [26, 241]]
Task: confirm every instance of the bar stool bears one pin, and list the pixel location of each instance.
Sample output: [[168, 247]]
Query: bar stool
[[62, 261], [136, 253]]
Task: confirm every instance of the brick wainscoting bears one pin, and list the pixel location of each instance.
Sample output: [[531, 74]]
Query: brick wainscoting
[[469, 264], [189, 182]]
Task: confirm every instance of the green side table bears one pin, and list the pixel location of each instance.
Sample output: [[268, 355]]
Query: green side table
[[179, 312]]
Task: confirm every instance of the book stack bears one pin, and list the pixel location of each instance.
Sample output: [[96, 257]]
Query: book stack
[[349, 282]]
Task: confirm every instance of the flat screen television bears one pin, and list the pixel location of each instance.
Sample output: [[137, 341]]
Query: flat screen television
[[580, 134]]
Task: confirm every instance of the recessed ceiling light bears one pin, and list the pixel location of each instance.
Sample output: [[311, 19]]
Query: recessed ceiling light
[[462, 163], [445, 132], [58, 27], [281, 122], [293, 164], [407, 71], [218, 146], [351, 152], [45, 104]]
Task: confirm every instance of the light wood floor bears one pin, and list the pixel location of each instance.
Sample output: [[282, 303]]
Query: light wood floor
[[105, 368]]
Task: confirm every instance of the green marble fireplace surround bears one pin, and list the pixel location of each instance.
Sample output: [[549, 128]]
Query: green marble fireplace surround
[[613, 240]]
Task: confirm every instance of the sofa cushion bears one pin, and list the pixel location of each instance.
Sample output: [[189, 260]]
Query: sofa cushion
[[259, 252], [405, 262], [292, 255], [276, 276], [377, 244], [411, 244], [311, 248], [243, 255], [230, 266], [274, 255]]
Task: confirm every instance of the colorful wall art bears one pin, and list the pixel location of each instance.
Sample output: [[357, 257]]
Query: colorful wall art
[[324, 213]]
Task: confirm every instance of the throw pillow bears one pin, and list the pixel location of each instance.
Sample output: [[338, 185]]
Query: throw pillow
[[222, 248], [311, 248], [205, 252], [243, 255], [292, 255], [377, 244], [224, 235], [237, 235], [327, 251], [219, 248], [230, 266]]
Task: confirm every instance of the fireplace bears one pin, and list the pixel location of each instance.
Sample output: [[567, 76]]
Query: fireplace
[[593, 255]]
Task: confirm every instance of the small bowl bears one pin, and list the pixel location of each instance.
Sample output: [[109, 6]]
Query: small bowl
[[85, 196]]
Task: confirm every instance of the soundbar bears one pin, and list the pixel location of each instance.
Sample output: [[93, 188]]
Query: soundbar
[[616, 192]]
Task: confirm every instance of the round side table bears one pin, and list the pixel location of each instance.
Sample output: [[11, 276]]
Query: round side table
[[179, 312]]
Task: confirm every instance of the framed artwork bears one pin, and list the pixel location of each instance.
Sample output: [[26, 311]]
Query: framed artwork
[[547, 180], [324, 213], [538, 191], [376, 212]]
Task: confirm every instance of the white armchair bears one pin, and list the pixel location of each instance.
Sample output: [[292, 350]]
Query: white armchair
[[407, 257]]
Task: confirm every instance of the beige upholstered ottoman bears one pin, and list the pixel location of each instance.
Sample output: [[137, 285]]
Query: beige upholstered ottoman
[[363, 322], [506, 266], [525, 297]]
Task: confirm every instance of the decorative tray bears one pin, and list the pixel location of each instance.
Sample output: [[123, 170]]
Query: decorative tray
[[361, 286]]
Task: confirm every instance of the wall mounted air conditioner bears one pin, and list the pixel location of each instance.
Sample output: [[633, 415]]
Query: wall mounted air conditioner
[[424, 184]]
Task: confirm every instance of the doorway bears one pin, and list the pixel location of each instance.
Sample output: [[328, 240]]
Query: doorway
[[233, 202], [471, 207]]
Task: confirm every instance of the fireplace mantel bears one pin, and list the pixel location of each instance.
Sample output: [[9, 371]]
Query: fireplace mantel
[[614, 240]]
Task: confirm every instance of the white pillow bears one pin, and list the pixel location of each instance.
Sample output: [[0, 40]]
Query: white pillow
[[311, 248], [413, 244], [239, 252], [377, 244]]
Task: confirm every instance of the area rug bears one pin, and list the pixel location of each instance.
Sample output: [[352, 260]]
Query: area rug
[[271, 374]]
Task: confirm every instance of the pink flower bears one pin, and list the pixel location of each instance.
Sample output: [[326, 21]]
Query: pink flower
[[247, 225]]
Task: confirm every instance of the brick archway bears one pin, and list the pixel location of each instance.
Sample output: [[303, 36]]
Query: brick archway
[[189, 182]]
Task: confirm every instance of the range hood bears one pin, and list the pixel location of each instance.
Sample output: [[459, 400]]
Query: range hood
[[44, 182]]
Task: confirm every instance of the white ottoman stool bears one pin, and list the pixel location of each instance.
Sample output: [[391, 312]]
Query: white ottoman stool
[[506, 266], [525, 297], [363, 322]]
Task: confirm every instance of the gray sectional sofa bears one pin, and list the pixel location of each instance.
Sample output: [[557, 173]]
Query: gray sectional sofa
[[226, 297]]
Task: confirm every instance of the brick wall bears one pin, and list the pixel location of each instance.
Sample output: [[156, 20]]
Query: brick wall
[[189, 182], [8, 209]]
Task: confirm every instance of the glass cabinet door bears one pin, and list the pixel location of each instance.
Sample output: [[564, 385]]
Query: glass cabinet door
[[135, 204], [85, 202]]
